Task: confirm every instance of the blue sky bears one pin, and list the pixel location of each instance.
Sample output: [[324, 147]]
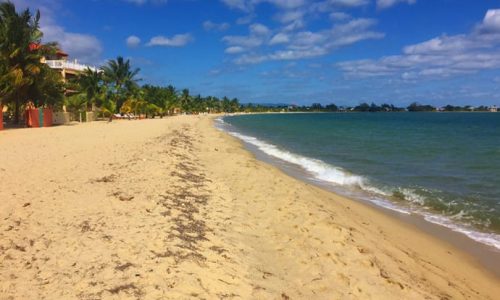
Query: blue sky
[[293, 51]]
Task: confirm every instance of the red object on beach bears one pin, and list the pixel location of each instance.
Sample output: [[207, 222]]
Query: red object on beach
[[32, 118], [47, 117], [39, 117]]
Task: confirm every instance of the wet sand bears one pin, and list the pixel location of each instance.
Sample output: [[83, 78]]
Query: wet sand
[[175, 209]]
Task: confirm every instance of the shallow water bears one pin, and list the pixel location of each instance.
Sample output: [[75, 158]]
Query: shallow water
[[443, 166]]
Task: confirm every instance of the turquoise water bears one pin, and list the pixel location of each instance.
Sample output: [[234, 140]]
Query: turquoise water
[[443, 166]]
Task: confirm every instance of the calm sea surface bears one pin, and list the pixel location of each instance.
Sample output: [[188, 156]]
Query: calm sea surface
[[443, 166]]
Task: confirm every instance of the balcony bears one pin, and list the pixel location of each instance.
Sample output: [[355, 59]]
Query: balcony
[[68, 65]]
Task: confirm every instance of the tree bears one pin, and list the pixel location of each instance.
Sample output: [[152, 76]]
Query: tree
[[76, 104], [20, 55], [363, 107], [185, 100], [331, 107], [121, 79], [234, 105], [415, 107], [47, 88], [91, 83]]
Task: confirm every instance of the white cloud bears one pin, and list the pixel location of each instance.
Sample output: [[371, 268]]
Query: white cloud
[[240, 43], [288, 4], [178, 40], [249, 5], [84, 47], [383, 4], [491, 22], [348, 3], [291, 16], [442, 56], [339, 16], [245, 20], [234, 50], [243, 41], [238, 4], [279, 38], [259, 29], [305, 44], [209, 26], [133, 41]]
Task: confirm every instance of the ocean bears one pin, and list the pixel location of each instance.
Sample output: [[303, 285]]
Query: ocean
[[444, 167]]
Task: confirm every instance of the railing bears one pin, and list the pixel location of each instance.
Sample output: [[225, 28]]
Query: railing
[[63, 64]]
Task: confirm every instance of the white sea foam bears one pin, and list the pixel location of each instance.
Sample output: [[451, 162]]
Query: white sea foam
[[411, 196], [335, 175], [491, 239], [319, 169], [388, 205]]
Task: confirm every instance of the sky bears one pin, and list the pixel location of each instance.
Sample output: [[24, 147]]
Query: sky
[[293, 51]]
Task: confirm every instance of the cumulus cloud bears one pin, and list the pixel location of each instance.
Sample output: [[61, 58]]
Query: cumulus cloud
[[133, 41], [234, 50], [248, 5], [293, 14], [279, 38], [259, 29], [301, 44], [348, 3], [178, 40], [238, 4], [211, 26], [84, 47], [491, 22], [443, 56], [383, 4], [258, 34], [339, 16]]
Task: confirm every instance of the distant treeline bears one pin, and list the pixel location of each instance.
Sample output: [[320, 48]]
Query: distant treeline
[[363, 107]]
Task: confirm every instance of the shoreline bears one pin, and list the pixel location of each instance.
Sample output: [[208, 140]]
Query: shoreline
[[390, 222], [175, 208], [487, 255]]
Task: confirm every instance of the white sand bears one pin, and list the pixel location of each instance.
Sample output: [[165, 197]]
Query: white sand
[[174, 209]]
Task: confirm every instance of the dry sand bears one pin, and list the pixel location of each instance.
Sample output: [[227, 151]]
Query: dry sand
[[175, 209]]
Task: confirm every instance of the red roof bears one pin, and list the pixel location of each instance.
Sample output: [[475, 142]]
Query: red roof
[[61, 53], [36, 46]]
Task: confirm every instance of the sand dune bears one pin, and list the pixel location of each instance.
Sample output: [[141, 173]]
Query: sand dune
[[175, 209]]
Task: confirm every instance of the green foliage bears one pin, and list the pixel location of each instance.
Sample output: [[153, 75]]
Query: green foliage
[[76, 103], [416, 107], [23, 77], [47, 88], [120, 79]]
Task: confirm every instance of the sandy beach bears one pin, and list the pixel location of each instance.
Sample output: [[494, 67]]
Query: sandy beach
[[175, 209]]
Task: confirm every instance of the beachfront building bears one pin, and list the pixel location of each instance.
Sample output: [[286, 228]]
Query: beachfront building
[[493, 108], [68, 69]]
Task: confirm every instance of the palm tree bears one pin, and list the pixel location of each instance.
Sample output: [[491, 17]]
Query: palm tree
[[76, 104], [90, 82], [121, 78], [185, 100], [172, 99], [107, 105], [48, 88], [20, 53]]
